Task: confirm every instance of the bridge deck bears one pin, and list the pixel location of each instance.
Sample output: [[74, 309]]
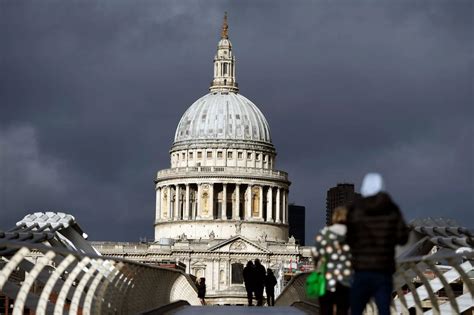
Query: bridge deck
[[234, 310]]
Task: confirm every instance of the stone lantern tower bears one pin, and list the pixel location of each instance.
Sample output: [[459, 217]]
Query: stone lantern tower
[[222, 181]]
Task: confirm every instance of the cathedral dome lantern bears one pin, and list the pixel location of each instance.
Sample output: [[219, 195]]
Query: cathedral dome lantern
[[222, 181], [224, 64]]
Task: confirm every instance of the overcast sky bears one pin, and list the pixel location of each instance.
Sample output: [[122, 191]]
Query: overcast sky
[[91, 93]]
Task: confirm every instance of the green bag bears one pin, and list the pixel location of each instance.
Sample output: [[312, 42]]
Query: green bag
[[316, 282]]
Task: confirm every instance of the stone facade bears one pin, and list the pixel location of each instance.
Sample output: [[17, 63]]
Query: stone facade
[[219, 261], [222, 202]]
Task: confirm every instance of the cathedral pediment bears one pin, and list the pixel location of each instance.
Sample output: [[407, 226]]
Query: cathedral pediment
[[238, 244]]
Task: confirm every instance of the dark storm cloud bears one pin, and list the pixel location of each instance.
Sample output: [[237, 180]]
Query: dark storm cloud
[[91, 93]]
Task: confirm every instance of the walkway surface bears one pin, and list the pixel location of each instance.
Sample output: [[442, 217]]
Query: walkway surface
[[234, 310]]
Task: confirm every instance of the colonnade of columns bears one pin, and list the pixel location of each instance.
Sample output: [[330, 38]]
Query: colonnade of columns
[[225, 201]]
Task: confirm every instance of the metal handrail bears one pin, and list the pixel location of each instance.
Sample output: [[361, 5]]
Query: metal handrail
[[60, 279], [413, 289]]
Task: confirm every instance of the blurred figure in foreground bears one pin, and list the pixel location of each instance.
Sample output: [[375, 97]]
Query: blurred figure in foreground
[[374, 227], [249, 280], [260, 273], [202, 290], [331, 249], [270, 282]]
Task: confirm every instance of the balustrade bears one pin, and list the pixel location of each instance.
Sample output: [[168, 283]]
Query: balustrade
[[234, 171]]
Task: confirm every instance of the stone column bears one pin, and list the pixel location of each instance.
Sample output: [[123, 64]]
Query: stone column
[[188, 265], [277, 204], [229, 272], [260, 204], [213, 279], [224, 202], [194, 207], [248, 206], [163, 204], [270, 204], [211, 200], [169, 202], [198, 201], [158, 204], [162, 191], [186, 205], [236, 208], [286, 207], [284, 214], [176, 204], [218, 287]]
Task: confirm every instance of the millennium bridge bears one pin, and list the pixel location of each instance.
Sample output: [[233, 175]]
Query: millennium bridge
[[47, 267]]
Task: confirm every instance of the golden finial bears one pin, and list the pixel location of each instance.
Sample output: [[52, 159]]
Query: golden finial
[[225, 27]]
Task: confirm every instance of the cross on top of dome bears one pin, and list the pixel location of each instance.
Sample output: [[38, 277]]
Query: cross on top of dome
[[225, 27]]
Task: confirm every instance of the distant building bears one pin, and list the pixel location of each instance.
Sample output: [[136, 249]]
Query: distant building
[[340, 195], [296, 218]]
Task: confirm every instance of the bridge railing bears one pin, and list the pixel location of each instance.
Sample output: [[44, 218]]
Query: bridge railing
[[295, 291], [47, 280], [435, 284]]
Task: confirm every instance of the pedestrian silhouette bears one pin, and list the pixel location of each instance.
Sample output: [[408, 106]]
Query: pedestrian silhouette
[[270, 282], [259, 281], [201, 286], [249, 280]]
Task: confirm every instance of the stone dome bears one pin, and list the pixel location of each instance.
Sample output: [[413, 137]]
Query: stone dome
[[223, 115]]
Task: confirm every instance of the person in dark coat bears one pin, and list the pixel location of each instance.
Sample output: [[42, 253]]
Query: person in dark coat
[[249, 280], [374, 227], [270, 282], [260, 274], [201, 286]]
